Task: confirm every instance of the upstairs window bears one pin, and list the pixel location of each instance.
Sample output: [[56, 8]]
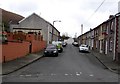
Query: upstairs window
[[101, 29], [96, 32], [112, 27], [107, 30], [110, 44]]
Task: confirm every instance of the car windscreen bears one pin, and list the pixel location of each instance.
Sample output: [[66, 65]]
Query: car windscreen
[[50, 47], [84, 46]]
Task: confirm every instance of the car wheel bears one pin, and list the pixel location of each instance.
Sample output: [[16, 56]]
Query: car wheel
[[57, 55], [61, 50]]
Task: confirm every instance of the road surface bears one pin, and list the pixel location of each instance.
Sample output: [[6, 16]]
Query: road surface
[[69, 66]]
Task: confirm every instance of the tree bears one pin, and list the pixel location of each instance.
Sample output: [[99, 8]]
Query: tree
[[64, 36]]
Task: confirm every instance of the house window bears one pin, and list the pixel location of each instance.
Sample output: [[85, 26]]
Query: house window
[[101, 29], [107, 30], [97, 32], [111, 44], [112, 26]]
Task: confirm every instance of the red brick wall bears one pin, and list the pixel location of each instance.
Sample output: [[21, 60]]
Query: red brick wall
[[19, 35], [23, 36], [38, 46], [14, 50], [0, 53], [30, 37], [10, 36]]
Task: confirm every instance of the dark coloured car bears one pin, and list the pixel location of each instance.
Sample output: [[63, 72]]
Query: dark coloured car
[[51, 50], [64, 44], [59, 46]]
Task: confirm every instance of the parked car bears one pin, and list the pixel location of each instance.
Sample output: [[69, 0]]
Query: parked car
[[59, 46], [75, 44], [83, 48], [64, 44], [51, 50]]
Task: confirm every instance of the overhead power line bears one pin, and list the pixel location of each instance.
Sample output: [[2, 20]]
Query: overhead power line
[[96, 10]]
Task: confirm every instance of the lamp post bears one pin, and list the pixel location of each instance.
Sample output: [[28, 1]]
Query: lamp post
[[56, 21], [53, 25]]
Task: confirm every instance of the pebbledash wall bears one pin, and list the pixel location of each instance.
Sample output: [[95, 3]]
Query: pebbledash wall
[[14, 48]]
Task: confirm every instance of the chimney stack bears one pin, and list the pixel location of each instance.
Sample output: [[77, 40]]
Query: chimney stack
[[111, 16]]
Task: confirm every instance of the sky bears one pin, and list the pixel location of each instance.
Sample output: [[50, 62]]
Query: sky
[[71, 13]]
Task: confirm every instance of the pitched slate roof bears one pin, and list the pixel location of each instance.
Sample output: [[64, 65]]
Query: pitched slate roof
[[8, 17]]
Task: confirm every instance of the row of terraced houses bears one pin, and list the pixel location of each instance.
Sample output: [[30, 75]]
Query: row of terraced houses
[[105, 38]]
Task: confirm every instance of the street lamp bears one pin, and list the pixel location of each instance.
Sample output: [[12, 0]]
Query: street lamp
[[56, 21], [53, 25]]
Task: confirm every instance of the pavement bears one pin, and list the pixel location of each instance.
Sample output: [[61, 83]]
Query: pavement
[[107, 62], [11, 66], [14, 65]]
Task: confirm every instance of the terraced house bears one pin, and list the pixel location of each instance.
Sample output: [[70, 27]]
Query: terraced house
[[34, 23], [105, 38]]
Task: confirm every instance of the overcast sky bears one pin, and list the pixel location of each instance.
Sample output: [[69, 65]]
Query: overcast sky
[[72, 13]]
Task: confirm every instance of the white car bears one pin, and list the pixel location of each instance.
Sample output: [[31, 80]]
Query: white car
[[75, 44], [83, 48]]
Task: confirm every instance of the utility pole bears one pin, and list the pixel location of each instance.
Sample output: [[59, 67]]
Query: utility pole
[[48, 34], [53, 26], [118, 6], [81, 29], [75, 35]]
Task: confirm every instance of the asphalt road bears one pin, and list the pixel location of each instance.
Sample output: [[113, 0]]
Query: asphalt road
[[69, 66]]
